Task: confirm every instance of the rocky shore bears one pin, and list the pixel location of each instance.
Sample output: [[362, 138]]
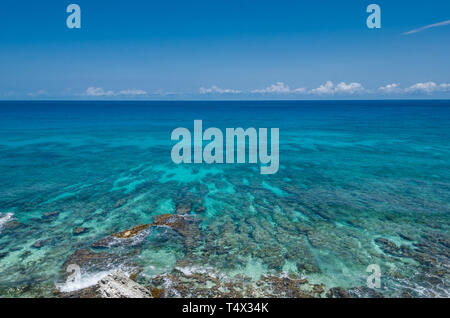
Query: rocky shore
[[187, 279], [114, 285], [190, 276]]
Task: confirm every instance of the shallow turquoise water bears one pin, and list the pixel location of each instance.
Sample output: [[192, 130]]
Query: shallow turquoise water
[[350, 173]]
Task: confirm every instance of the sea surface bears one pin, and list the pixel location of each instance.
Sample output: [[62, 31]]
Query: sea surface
[[359, 183]]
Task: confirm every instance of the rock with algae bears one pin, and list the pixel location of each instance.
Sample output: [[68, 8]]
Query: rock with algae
[[182, 224]]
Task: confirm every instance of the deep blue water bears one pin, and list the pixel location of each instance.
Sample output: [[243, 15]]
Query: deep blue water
[[360, 183]]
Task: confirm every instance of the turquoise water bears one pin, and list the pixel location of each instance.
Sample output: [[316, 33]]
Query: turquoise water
[[351, 174]]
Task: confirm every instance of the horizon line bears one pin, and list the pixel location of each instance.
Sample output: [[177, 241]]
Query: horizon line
[[220, 100]]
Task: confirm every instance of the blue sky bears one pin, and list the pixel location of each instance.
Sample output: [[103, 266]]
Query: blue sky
[[214, 49]]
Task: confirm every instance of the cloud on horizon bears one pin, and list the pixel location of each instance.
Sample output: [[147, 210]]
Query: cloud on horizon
[[424, 88], [217, 90], [434, 25], [328, 89], [278, 88], [100, 92], [342, 88], [390, 88]]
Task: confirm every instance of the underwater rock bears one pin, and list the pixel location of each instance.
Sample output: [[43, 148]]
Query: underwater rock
[[183, 208], [38, 244], [308, 268], [260, 235], [120, 203], [318, 289], [13, 225], [382, 242], [131, 232], [25, 255], [80, 230], [407, 294], [337, 292], [405, 237], [127, 234], [49, 216], [84, 256], [390, 248], [271, 255], [287, 287], [364, 292], [283, 222], [179, 223], [184, 225], [200, 209]]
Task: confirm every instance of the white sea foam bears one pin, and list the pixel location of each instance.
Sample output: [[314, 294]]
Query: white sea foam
[[86, 280], [192, 270], [5, 218]]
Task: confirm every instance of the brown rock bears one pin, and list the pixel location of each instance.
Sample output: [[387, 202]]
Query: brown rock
[[38, 244], [49, 215], [131, 232], [84, 256], [308, 268], [337, 292], [200, 209], [176, 222], [79, 230], [183, 208], [156, 292], [106, 242], [13, 225]]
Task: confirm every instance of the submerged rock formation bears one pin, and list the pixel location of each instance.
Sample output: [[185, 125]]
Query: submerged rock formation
[[116, 238], [182, 224], [80, 230], [131, 232]]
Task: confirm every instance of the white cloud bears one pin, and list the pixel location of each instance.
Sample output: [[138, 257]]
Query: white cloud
[[41, 92], [342, 88], [425, 88], [428, 87], [327, 88], [133, 92], [351, 88], [98, 92], [300, 90], [278, 88], [434, 25], [217, 90], [445, 87], [390, 88]]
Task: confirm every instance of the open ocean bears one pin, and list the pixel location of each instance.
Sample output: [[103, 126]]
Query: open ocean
[[359, 183]]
